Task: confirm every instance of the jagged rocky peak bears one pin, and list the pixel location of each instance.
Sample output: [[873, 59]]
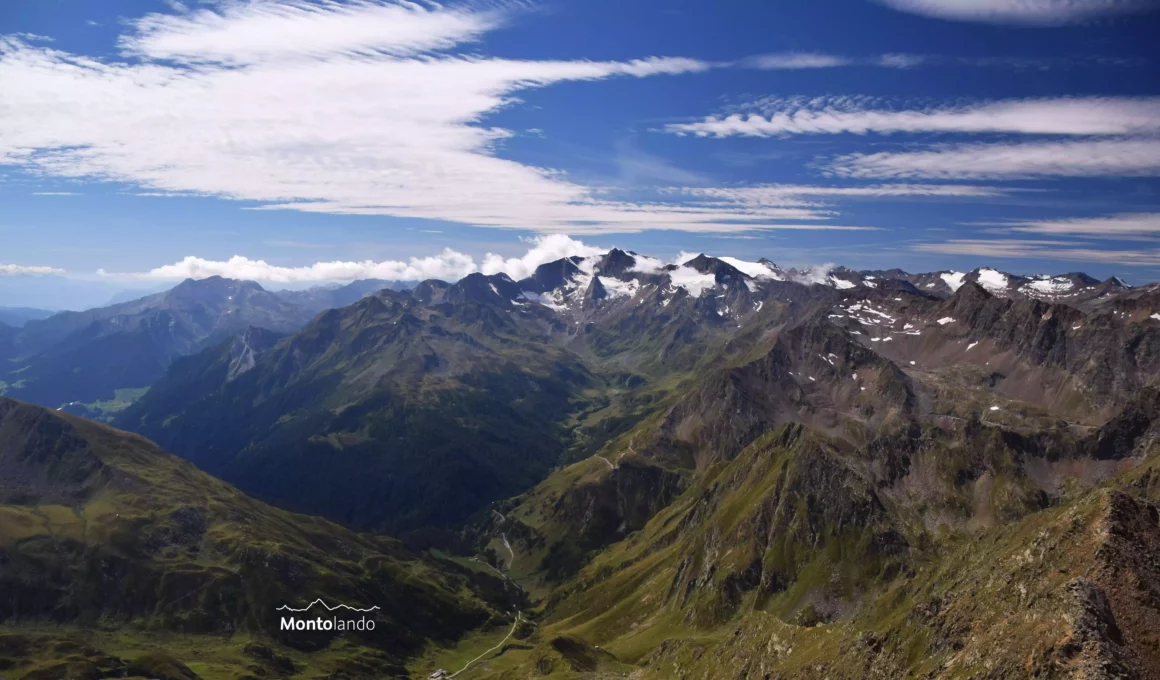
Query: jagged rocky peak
[[615, 263], [483, 288], [720, 269], [623, 274], [844, 277], [550, 276], [1082, 278], [996, 281], [595, 291], [895, 273], [971, 292], [1046, 286], [430, 291]]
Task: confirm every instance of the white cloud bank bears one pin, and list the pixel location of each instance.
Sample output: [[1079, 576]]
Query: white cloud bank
[[449, 265], [546, 249], [1035, 12], [852, 115], [22, 270], [357, 107]]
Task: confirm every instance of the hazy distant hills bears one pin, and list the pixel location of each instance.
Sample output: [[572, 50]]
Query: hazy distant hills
[[86, 357], [18, 316], [716, 468], [95, 362], [320, 298]]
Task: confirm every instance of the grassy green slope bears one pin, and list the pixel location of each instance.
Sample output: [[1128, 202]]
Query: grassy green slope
[[788, 562], [103, 532]]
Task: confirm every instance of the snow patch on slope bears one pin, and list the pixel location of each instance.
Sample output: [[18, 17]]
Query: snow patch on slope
[[953, 279], [553, 301], [1051, 286], [617, 288], [755, 269], [692, 280], [993, 280]]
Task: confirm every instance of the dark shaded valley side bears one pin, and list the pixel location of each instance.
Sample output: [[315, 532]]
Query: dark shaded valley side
[[614, 468]]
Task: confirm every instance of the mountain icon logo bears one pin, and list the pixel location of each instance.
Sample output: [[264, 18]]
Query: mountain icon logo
[[320, 601]]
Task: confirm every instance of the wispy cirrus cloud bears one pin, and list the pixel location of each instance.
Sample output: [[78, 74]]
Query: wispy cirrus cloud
[[25, 270], [792, 61], [1034, 12], [1020, 160], [1124, 225], [781, 61], [796, 194], [368, 107], [857, 115], [1041, 250], [1081, 239], [788, 61], [34, 37], [253, 32], [902, 60]]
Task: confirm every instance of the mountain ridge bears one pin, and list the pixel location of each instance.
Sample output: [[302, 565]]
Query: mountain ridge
[[718, 466], [847, 357], [84, 361]]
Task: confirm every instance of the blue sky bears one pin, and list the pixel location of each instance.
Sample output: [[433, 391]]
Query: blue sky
[[298, 142]]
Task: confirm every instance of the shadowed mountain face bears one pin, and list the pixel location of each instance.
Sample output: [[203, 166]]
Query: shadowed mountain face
[[8, 336], [99, 526], [350, 416], [493, 382], [835, 473]]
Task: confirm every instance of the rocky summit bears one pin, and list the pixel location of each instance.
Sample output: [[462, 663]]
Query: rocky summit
[[615, 467]]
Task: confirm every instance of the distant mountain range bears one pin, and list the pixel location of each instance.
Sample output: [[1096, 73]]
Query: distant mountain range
[[18, 316], [715, 468], [95, 362], [494, 381]]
